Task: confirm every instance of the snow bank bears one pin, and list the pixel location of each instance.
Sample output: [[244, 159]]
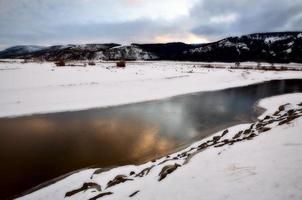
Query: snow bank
[[265, 166], [28, 88], [271, 104]]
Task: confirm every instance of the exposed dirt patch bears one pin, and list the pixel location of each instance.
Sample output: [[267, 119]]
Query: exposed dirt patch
[[117, 180], [101, 195], [85, 186], [134, 193], [167, 170]]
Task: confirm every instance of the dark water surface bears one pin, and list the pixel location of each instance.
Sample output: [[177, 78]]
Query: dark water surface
[[35, 149]]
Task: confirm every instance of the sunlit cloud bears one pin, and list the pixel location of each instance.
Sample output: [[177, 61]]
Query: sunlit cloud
[[186, 38]]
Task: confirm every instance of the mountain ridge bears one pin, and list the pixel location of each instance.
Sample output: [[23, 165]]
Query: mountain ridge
[[280, 47]]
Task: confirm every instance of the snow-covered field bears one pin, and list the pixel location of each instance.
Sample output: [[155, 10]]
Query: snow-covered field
[[262, 162], [27, 88]]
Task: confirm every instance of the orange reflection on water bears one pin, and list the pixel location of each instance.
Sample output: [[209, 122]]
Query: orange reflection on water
[[139, 140]]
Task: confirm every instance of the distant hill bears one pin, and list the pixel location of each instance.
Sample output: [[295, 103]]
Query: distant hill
[[269, 47], [21, 50]]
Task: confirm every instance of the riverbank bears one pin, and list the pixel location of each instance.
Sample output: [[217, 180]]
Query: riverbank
[[31, 88], [246, 161]]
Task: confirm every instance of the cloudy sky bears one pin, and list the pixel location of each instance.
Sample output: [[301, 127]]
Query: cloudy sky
[[48, 22]]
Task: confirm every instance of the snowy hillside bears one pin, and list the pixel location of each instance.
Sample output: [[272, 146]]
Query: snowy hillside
[[270, 47], [70, 52], [132, 52]]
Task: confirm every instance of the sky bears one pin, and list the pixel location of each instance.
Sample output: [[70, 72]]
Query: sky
[[50, 22]]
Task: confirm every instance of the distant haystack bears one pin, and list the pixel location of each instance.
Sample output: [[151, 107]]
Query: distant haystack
[[91, 63], [60, 63], [121, 63]]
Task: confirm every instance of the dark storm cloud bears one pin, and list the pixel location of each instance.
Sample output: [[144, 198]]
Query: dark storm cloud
[[120, 32], [249, 16], [136, 30], [79, 21]]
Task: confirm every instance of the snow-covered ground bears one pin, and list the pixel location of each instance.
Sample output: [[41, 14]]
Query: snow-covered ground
[[261, 162], [27, 88]]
